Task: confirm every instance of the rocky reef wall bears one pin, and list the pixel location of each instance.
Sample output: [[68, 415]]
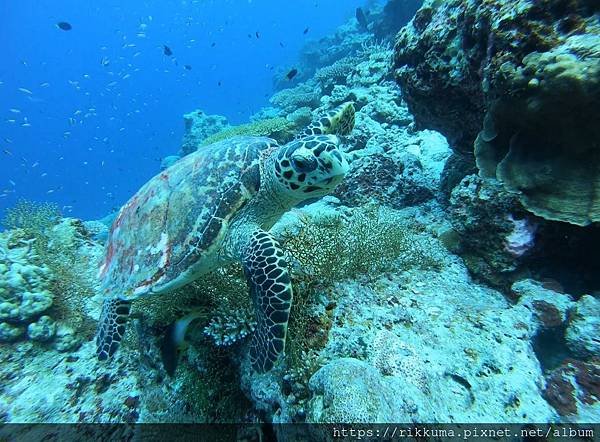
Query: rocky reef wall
[[516, 85]]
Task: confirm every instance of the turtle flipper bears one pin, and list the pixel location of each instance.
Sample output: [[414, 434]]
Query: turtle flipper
[[111, 327], [271, 291]]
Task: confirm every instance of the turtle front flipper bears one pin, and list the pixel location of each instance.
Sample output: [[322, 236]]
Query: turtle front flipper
[[111, 327], [271, 291]]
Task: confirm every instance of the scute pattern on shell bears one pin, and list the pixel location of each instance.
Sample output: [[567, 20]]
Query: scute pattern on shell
[[178, 219]]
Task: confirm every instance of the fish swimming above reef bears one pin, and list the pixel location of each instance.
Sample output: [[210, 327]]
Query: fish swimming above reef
[[167, 51], [188, 67], [291, 74], [361, 18], [64, 25]]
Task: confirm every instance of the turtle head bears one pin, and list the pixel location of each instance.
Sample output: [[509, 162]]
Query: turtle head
[[310, 167]]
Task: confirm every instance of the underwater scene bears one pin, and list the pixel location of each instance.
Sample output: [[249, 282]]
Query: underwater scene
[[263, 212]]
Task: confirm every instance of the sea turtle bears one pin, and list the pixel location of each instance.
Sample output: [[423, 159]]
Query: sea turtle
[[213, 207]]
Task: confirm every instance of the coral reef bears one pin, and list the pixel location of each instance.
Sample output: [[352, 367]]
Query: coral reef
[[394, 180], [291, 99], [334, 74], [349, 390], [388, 324], [484, 214], [46, 277], [278, 128], [31, 216], [227, 328], [522, 83], [24, 286], [199, 126], [574, 389], [583, 331]]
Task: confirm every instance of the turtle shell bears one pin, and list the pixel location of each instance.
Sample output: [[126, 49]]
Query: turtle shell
[[172, 228]]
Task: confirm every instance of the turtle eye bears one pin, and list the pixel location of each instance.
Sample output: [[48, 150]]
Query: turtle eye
[[302, 164]]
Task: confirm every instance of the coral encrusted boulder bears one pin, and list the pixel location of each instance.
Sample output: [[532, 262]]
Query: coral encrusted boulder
[[517, 84]]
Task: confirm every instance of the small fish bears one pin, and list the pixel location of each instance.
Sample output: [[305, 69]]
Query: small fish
[[281, 44], [64, 25], [188, 67], [105, 61], [257, 34], [167, 51], [361, 18], [50, 191], [36, 164], [291, 74], [219, 83], [7, 152], [25, 91], [15, 111], [45, 84], [249, 35], [306, 31], [126, 76], [213, 44]]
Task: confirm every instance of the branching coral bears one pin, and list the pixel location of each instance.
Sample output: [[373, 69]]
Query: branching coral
[[278, 128], [303, 95], [230, 327], [336, 73]]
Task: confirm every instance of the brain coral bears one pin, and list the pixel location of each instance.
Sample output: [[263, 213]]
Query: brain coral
[[520, 81]]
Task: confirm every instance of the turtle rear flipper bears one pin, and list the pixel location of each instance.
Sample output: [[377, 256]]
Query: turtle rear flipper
[[271, 291], [111, 327]]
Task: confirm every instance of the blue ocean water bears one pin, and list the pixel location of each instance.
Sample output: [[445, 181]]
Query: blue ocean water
[[88, 113]]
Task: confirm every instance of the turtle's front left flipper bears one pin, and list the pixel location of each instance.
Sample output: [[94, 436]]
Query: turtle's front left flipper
[[111, 327], [271, 291]]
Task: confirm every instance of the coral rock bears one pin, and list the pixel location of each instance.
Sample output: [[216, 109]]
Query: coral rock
[[9, 332], [574, 388], [198, 126], [583, 332], [42, 330], [394, 180], [519, 81]]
